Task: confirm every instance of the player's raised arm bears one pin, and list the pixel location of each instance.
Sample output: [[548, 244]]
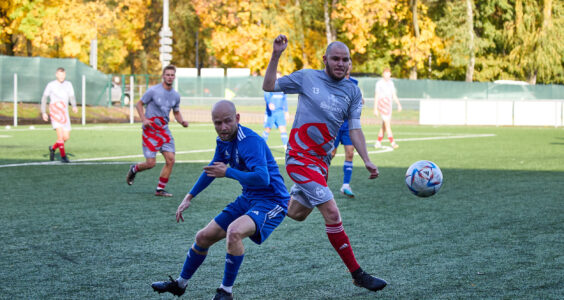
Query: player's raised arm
[[280, 44]]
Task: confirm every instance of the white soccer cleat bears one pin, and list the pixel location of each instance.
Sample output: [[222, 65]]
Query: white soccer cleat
[[378, 144]]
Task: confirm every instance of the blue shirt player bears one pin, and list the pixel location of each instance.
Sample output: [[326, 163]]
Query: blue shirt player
[[344, 138], [276, 115], [255, 213]]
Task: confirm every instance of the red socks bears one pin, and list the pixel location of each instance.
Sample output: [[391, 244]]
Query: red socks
[[340, 241], [162, 183], [61, 146]]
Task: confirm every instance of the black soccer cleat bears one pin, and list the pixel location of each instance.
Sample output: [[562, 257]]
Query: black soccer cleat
[[51, 153], [130, 175], [367, 281], [65, 159], [168, 286], [223, 295]]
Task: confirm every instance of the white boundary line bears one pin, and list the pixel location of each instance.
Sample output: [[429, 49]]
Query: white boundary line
[[101, 160]]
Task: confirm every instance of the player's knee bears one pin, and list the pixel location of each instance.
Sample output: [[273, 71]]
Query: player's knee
[[234, 235], [151, 164], [203, 237], [297, 216], [170, 161], [332, 216]]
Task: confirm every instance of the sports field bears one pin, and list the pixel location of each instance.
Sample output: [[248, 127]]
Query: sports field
[[78, 231]]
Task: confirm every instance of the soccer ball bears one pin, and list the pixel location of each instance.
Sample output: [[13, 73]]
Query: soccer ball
[[424, 178]]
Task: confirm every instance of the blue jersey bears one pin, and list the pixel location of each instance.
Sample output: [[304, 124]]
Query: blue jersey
[[345, 126], [244, 153], [278, 99]]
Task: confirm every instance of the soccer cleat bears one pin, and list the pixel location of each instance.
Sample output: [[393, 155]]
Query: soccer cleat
[[130, 175], [168, 286], [394, 145], [347, 192], [51, 153], [223, 295], [367, 281], [378, 144], [162, 193], [65, 159]]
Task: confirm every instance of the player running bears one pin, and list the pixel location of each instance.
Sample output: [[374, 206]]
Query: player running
[[59, 92], [326, 100], [385, 92], [159, 100], [344, 138], [254, 214]]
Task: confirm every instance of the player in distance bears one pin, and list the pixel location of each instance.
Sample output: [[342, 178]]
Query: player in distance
[[326, 100], [159, 100], [254, 214], [59, 92]]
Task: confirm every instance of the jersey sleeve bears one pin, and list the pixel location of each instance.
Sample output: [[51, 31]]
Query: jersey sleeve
[[253, 152], [176, 106], [355, 109], [204, 180], [72, 97], [148, 96], [290, 84]]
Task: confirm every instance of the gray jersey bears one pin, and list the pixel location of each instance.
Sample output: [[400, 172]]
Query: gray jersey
[[323, 105], [159, 102]]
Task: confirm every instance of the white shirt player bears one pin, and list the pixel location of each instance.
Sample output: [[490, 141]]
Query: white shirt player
[[59, 93]]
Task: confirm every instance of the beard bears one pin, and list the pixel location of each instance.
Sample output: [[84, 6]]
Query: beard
[[332, 74]]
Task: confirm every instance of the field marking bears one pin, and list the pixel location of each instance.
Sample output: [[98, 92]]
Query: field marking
[[100, 160], [5, 136]]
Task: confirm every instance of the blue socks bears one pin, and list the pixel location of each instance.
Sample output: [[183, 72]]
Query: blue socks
[[284, 137], [232, 264], [347, 171], [265, 135], [193, 261]]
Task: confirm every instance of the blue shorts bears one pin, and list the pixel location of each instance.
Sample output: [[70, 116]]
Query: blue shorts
[[344, 138], [266, 215], [276, 119]]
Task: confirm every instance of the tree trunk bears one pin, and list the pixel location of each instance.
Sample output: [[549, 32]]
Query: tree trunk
[[470, 24], [413, 71], [328, 30], [301, 36]]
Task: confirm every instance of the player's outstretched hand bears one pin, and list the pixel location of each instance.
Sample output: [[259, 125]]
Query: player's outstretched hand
[[184, 205], [216, 170], [184, 123], [373, 169], [280, 44]]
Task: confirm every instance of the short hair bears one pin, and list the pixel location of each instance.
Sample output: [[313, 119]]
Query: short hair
[[169, 67], [60, 69], [336, 43], [386, 69]]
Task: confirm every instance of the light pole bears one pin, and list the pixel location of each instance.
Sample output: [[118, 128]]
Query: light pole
[[166, 39]]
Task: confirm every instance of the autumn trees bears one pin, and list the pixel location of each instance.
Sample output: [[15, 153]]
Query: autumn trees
[[472, 40]]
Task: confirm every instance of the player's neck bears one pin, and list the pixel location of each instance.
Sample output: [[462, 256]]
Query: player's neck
[[167, 86]]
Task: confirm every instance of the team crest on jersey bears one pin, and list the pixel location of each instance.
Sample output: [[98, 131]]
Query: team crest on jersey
[[315, 90], [320, 192], [226, 154]]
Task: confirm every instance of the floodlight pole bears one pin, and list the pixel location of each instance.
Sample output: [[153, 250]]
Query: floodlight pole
[[166, 39]]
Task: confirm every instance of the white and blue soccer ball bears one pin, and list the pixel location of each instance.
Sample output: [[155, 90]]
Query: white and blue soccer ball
[[424, 178]]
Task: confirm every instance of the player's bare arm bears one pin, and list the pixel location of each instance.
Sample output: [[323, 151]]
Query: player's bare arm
[[183, 206], [179, 119], [217, 170], [141, 112], [359, 142], [280, 44]]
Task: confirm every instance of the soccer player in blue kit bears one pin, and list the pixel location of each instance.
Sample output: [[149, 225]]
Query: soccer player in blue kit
[[255, 213], [276, 115], [344, 138], [326, 100]]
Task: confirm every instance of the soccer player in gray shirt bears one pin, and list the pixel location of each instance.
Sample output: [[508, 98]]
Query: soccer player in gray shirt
[[159, 100], [326, 100]]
